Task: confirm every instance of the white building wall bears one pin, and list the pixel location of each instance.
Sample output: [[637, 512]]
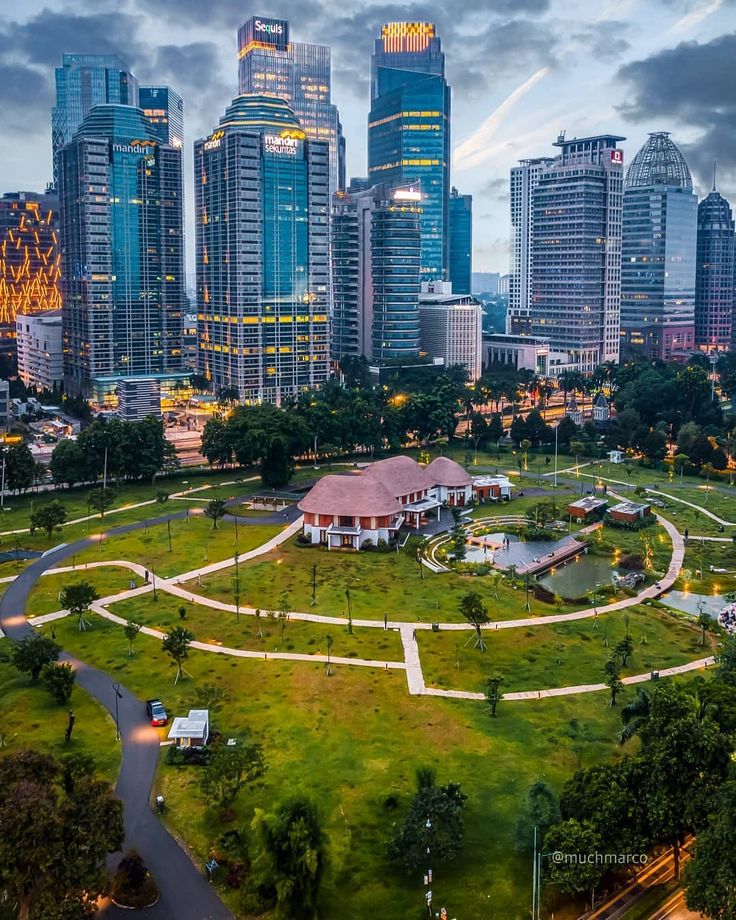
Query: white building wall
[[40, 350]]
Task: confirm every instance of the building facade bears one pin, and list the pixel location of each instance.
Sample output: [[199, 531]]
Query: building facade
[[522, 352], [409, 129], [123, 247], [164, 108], [84, 80], [659, 253], [715, 278], [524, 179], [376, 266], [271, 64], [576, 253], [451, 326], [262, 252], [30, 261], [138, 398], [461, 241], [39, 350]]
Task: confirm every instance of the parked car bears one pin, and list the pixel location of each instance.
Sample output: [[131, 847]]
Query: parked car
[[156, 712]]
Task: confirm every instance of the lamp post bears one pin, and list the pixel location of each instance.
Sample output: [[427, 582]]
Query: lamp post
[[118, 697], [428, 874], [556, 437]]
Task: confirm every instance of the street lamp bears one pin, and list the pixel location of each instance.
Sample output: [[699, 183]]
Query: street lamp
[[118, 697], [428, 875]]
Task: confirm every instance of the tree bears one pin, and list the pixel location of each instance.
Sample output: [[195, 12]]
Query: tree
[[32, 654], [540, 810], [290, 857], [101, 500], [612, 670], [176, 645], [54, 841], [269, 436], [493, 693], [518, 430], [59, 679], [130, 631], [623, 649], [705, 622], [77, 599], [476, 613], [634, 714], [49, 518], [544, 512], [726, 661], [709, 879], [572, 838], [215, 509], [566, 432], [209, 696], [20, 468], [216, 444], [495, 429], [67, 463], [230, 769], [459, 535], [433, 827]]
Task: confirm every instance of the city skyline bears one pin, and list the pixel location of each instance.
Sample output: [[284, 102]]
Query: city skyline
[[520, 68]]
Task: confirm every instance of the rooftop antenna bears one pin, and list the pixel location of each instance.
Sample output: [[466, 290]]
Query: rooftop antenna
[[561, 137], [715, 164]]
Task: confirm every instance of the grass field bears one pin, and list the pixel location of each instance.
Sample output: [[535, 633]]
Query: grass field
[[352, 741], [561, 654], [44, 596]]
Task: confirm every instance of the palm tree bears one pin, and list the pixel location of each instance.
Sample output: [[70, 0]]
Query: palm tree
[[634, 715]]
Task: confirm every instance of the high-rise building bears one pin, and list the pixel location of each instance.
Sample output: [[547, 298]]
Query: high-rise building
[[376, 261], [658, 253], [84, 80], [461, 241], [409, 129], [576, 253], [451, 326], [270, 64], [123, 250], [524, 178], [262, 252], [29, 260], [164, 108], [485, 282], [715, 280], [39, 350]]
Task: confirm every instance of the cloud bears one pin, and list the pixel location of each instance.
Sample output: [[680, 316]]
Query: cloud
[[692, 86], [604, 40], [24, 90]]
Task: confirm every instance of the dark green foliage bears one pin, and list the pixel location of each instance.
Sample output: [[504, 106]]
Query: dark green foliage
[[59, 679], [49, 518], [443, 807], [32, 654]]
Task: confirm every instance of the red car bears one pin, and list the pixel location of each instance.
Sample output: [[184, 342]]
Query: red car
[[156, 712]]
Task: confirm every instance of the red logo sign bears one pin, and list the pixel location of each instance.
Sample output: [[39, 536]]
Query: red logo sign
[[617, 156]]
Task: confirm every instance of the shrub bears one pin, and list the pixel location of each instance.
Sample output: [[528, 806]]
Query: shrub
[[631, 561], [133, 886]]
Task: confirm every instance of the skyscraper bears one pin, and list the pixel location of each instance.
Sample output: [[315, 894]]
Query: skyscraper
[[271, 64], [84, 80], [461, 241], [576, 253], [715, 283], [262, 252], [376, 261], [122, 250], [524, 179], [658, 252], [164, 108], [451, 326], [409, 129]]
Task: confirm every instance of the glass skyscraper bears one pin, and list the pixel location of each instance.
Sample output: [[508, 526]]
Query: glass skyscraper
[[262, 252], [658, 252], [164, 108], [461, 241], [84, 80], [715, 282], [122, 246], [409, 129], [271, 64]]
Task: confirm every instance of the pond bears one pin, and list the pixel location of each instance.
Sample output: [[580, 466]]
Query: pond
[[579, 576], [515, 552]]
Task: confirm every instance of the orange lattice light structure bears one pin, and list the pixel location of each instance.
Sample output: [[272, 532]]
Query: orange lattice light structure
[[29, 259]]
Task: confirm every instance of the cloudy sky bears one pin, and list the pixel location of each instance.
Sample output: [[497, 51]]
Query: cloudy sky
[[521, 70]]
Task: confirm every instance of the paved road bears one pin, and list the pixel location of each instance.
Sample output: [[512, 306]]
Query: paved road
[[185, 894]]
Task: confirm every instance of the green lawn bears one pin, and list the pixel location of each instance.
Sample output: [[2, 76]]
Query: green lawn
[[218, 626], [353, 740], [560, 654], [44, 596], [29, 718], [699, 557]]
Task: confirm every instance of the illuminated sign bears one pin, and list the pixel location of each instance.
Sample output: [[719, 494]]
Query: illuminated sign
[[135, 146], [407, 37], [214, 142], [268, 32], [617, 156], [407, 195], [283, 146], [272, 27]]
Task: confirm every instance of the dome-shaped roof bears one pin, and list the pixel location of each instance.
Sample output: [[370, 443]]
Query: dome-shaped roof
[[446, 472], [659, 162], [259, 111]]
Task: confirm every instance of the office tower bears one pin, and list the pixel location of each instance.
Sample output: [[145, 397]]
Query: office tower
[[451, 326], [461, 241], [271, 64], [122, 247], [715, 278], [262, 251], [485, 282], [658, 253], [524, 178], [39, 350], [29, 260], [164, 108], [504, 284], [376, 262], [576, 253], [84, 80], [409, 129]]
